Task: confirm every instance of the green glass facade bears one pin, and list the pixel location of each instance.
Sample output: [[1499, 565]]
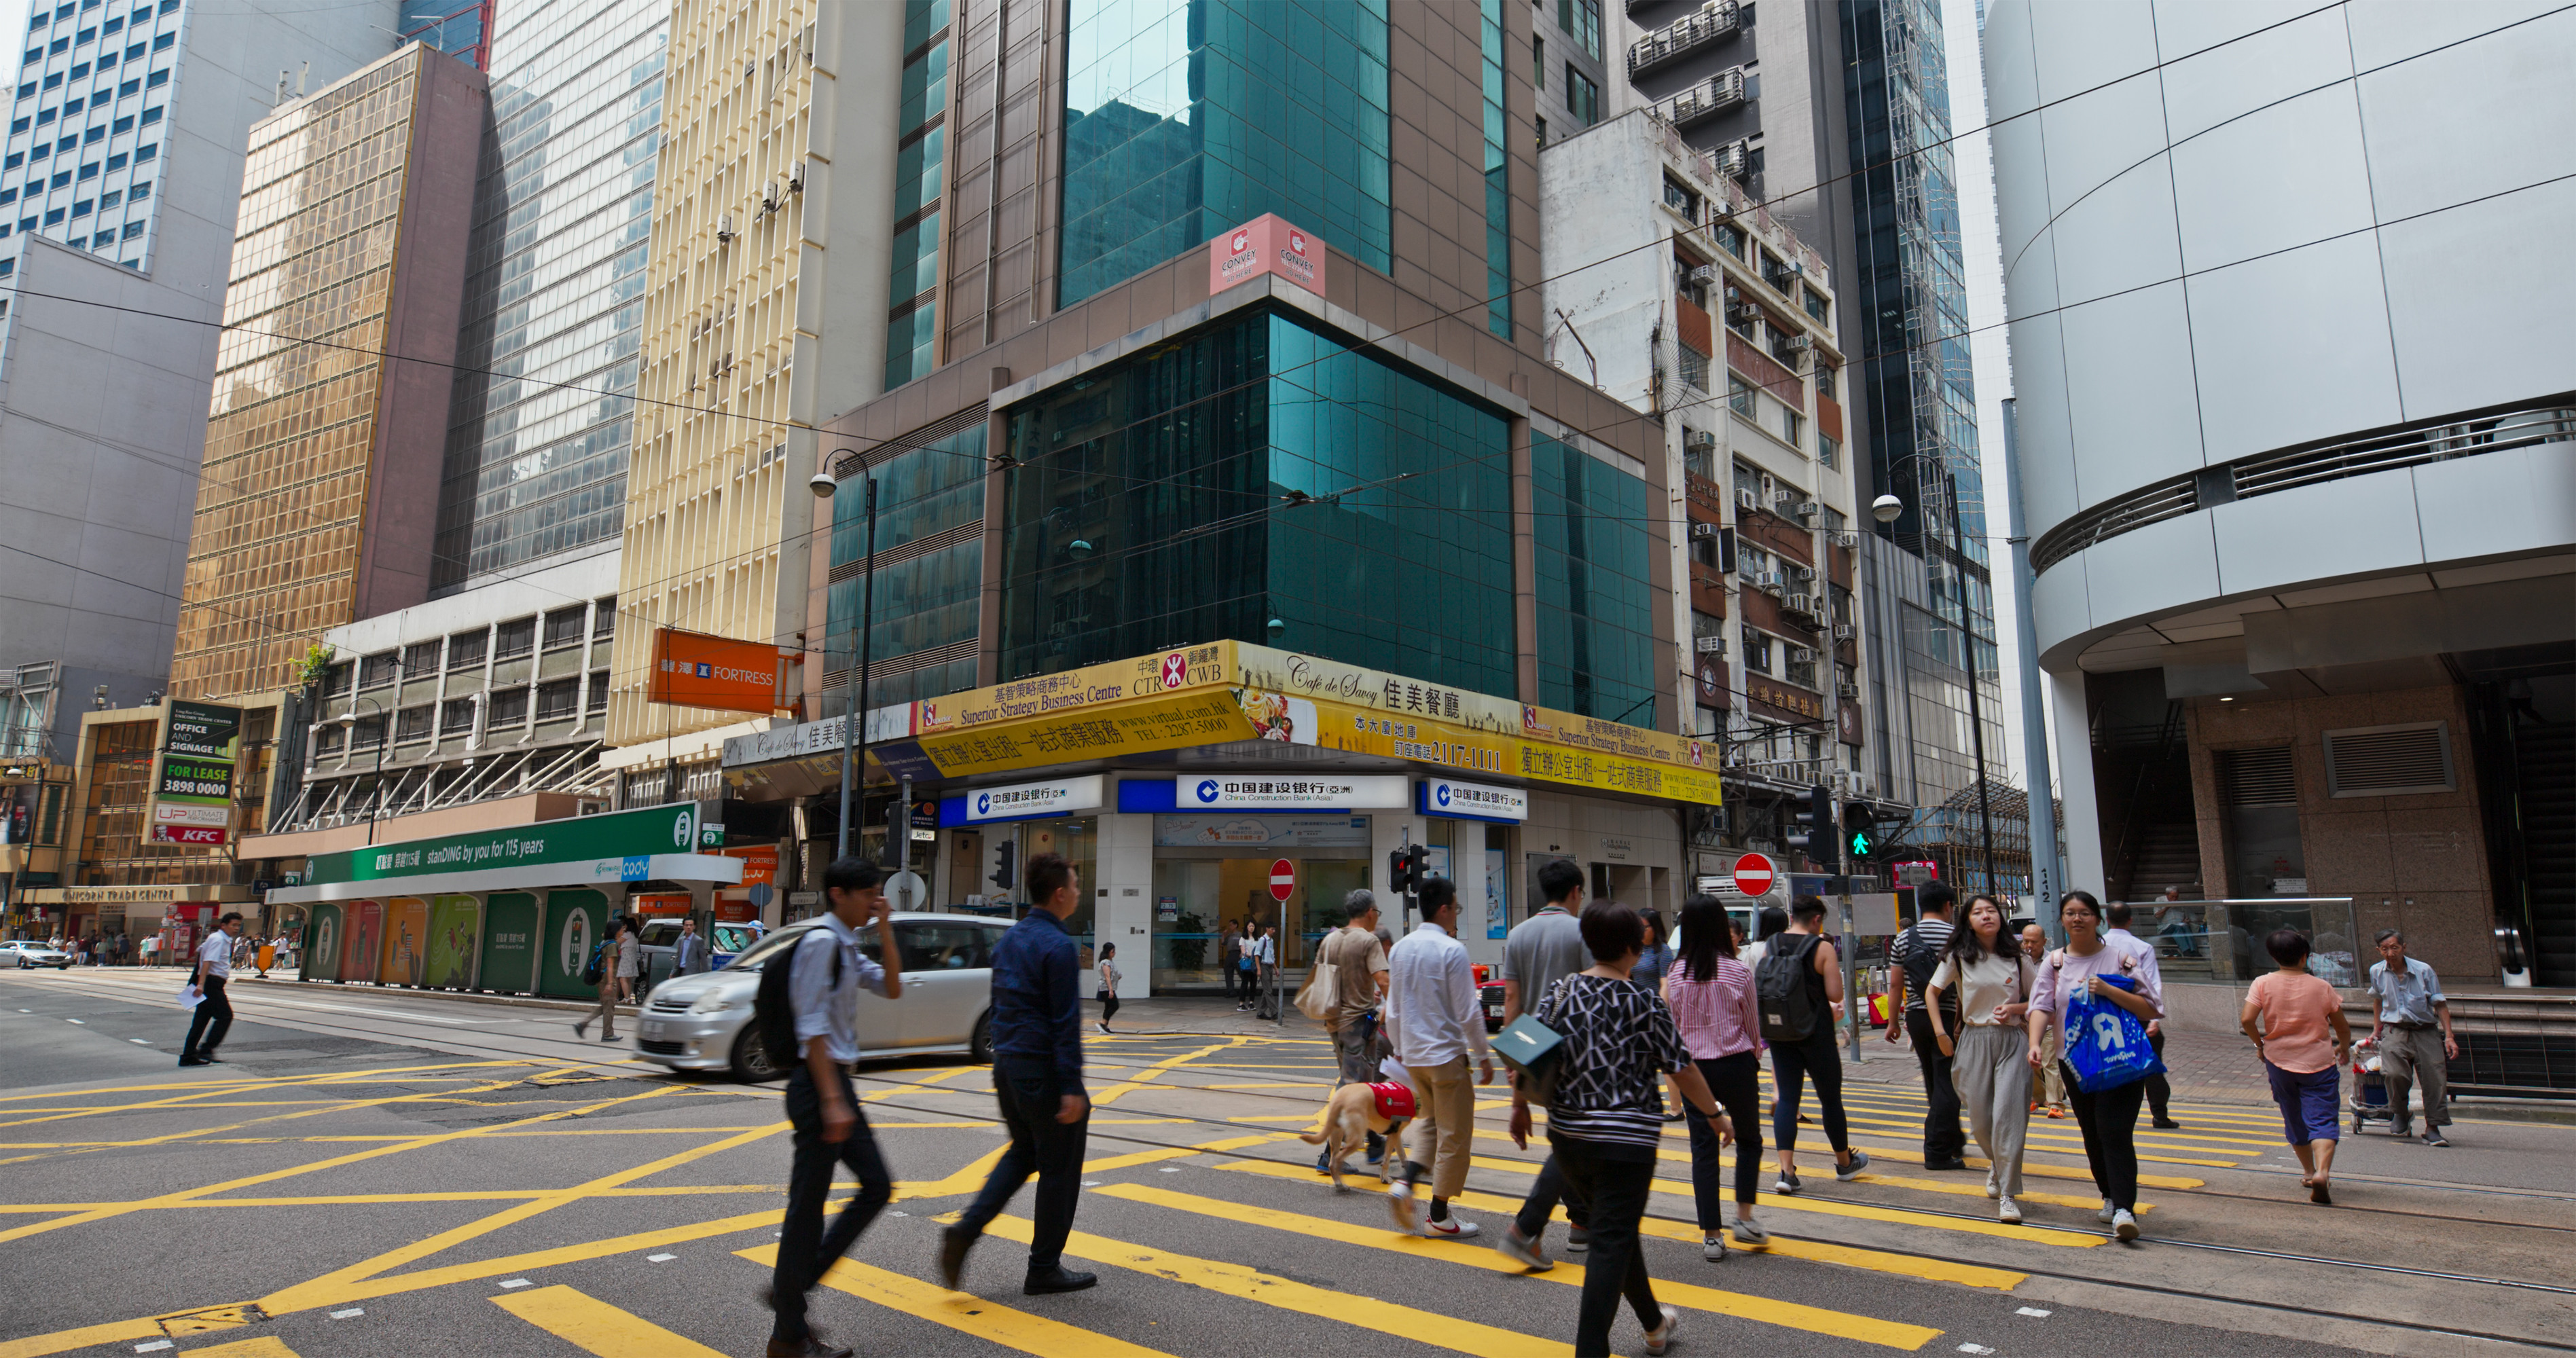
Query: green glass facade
[[920, 177], [1183, 118], [923, 602], [1498, 179], [1596, 601], [1153, 511]]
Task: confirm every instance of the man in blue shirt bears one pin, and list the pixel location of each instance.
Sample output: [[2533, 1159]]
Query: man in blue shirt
[[2412, 1008], [1037, 1081]]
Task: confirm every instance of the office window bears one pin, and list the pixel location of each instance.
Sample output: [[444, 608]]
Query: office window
[[80, 70], [1581, 19], [603, 624], [411, 725], [129, 87], [1542, 133], [1596, 599], [81, 208], [1681, 198], [47, 115], [1829, 450], [376, 671], [54, 81], [135, 51], [99, 100], [157, 78], [506, 708], [60, 45], [1817, 306], [139, 192], [150, 149], [7, 196], [597, 703], [517, 637], [564, 627], [335, 680], [558, 699], [327, 740], [1498, 175], [1694, 368], [116, 162], [419, 658], [1739, 396], [1800, 666], [19, 125], [150, 116], [124, 124], [1582, 97], [465, 650], [162, 43], [113, 25], [1824, 381], [456, 716], [55, 217], [1793, 427], [1757, 651], [89, 171], [62, 180], [85, 35]]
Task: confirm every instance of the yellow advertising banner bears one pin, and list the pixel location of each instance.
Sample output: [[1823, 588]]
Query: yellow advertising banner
[[1150, 676], [1203, 717], [1631, 767]]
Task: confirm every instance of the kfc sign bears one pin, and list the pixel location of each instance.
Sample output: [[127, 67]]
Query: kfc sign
[[1265, 245]]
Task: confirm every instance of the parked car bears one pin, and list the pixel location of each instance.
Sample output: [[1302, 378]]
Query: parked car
[[703, 1022], [23, 953]]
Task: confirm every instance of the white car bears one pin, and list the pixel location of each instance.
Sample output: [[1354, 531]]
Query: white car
[[23, 953], [703, 1021]]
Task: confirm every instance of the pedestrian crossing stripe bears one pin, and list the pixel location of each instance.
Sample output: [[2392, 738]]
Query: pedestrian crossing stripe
[[1964, 1190], [986, 1320], [2037, 1235], [1814, 1251], [1251, 1284], [1765, 1310], [594, 1326], [2029, 1168], [2177, 1141]]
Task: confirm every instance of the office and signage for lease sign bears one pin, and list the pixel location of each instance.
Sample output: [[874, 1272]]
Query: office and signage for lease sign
[[192, 785]]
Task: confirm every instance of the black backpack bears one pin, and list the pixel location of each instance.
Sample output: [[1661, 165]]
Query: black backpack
[[596, 967], [773, 1006], [1920, 958], [1784, 986]]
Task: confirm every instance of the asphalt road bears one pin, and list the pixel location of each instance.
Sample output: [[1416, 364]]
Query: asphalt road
[[384, 1172]]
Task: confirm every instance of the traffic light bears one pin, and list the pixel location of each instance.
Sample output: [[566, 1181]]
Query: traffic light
[[1399, 872], [1006, 859], [1860, 831], [1815, 829]]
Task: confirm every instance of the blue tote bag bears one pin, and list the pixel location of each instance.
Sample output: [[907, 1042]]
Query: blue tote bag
[[2106, 1045]]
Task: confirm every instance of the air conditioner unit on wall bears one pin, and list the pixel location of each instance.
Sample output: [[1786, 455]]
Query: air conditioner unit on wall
[[1803, 572], [1709, 645], [1799, 603], [1747, 501], [1705, 273], [1844, 631], [1696, 439], [1801, 654], [1703, 530], [1768, 583]]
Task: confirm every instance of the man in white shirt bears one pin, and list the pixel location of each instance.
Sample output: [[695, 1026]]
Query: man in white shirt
[[1266, 975], [214, 1016], [1437, 1018]]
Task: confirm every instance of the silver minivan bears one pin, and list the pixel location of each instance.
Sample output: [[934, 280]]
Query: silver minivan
[[703, 1021]]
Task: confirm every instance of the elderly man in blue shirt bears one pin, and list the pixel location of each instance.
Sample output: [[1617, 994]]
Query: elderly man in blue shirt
[[2411, 1009], [1037, 1081]]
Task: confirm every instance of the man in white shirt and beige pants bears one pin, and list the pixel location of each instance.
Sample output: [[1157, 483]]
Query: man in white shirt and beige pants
[[1436, 1018]]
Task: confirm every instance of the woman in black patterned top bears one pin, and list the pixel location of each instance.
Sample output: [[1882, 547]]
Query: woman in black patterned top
[[1607, 1117]]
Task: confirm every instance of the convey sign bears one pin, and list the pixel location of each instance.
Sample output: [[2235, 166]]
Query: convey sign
[[1283, 879]]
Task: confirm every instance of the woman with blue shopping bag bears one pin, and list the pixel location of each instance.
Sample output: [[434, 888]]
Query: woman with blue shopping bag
[[2101, 992]]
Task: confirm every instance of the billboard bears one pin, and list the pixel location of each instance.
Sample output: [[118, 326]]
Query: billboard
[[454, 924], [509, 944], [192, 785], [693, 669]]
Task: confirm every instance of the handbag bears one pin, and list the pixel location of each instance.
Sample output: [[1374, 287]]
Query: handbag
[[1322, 993], [2106, 1045], [1536, 1055]]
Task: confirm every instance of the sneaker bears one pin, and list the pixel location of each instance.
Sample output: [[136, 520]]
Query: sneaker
[[1788, 1183], [2433, 1137], [2124, 1225], [1399, 1205], [1994, 1189], [2167, 1124], [1455, 1228], [1577, 1239], [1712, 1247], [2403, 1133], [1324, 1163], [1104, 1027], [2008, 1211], [582, 1030], [1660, 1338], [1751, 1233], [2055, 1111], [1954, 1164], [2107, 1213], [1522, 1250], [1859, 1162]]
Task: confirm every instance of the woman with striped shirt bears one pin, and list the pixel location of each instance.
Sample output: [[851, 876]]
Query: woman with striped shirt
[[1606, 1119], [1711, 996]]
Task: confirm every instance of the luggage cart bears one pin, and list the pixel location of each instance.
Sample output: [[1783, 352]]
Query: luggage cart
[[2368, 1100]]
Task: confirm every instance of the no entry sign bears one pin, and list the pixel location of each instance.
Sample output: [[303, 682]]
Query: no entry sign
[[1283, 879], [1754, 875]]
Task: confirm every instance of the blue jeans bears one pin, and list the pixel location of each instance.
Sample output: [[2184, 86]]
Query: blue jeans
[[2308, 1103], [1042, 1146]]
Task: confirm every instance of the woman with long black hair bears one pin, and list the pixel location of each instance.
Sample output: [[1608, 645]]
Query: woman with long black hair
[[1990, 1054], [1711, 996]]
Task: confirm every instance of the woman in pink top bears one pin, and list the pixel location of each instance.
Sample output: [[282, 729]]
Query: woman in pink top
[[1711, 996], [2108, 1117], [2297, 1010]]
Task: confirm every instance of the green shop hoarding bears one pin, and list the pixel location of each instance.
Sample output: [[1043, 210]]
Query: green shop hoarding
[[625, 846]]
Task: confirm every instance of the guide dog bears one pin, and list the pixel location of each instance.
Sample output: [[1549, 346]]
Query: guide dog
[[1354, 1111]]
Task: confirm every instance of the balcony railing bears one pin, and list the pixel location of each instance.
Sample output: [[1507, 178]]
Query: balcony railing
[[1710, 22], [1704, 100]]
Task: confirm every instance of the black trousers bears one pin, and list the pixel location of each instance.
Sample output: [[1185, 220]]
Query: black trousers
[[1817, 1059], [1042, 1146], [1108, 1006], [2159, 1093], [1736, 1081], [1942, 1139], [1233, 985], [1609, 1191], [804, 1249], [213, 1019], [2109, 1119]]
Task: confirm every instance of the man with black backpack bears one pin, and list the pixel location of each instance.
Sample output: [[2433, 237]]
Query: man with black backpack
[[806, 1014], [1917, 954], [1796, 987]]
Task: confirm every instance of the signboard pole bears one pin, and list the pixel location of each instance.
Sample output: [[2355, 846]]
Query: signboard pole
[[899, 826], [1853, 1001], [854, 716]]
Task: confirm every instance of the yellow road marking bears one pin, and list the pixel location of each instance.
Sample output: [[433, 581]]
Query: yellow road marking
[[986, 1320], [2029, 1168], [2037, 1235], [1848, 1256], [266, 1346], [1250, 1284], [1178, 1152], [1963, 1190], [1156, 1071], [594, 1326], [1789, 1315], [2066, 1139], [966, 1180], [265, 1082]]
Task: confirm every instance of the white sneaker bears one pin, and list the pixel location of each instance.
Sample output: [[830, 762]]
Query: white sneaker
[[1712, 1247], [2107, 1214], [1993, 1188], [1399, 1205], [2007, 1211], [1521, 1250], [1660, 1338], [1455, 1228], [2124, 1225], [1788, 1183], [1751, 1233]]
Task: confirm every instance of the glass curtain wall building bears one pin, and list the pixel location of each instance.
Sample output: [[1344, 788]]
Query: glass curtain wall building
[[921, 166], [1183, 118], [543, 413], [1907, 282], [929, 575], [86, 131], [1155, 509], [460, 28], [1596, 625]]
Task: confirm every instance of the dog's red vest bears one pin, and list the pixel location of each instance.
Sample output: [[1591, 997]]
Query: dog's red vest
[[1394, 1099]]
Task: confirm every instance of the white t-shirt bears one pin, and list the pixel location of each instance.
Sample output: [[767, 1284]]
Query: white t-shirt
[[217, 954]]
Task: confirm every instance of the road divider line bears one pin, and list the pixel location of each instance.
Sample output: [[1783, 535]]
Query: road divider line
[[1786, 1314], [594, 1326]]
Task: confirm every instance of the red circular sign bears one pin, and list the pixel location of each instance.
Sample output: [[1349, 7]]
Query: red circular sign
[[1754, 875], [1176, 670], [1283, 879]]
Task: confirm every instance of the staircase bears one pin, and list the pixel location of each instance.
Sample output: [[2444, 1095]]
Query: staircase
[[2168, 856], [2545, 757]]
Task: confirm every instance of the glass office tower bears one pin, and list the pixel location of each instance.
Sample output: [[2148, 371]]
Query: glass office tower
[[544, 405]]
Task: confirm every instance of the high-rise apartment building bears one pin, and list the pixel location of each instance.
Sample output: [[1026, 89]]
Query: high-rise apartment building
[[544, 409], [1835, 117], [765, 304], [316, 506], [119, 185], [1568, 43]]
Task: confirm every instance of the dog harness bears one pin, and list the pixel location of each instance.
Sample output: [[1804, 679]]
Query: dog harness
[[1394, 1099]]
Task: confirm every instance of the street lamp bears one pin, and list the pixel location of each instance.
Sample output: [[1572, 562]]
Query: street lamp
[[348, 730], [1888, 509], [854, 717]]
